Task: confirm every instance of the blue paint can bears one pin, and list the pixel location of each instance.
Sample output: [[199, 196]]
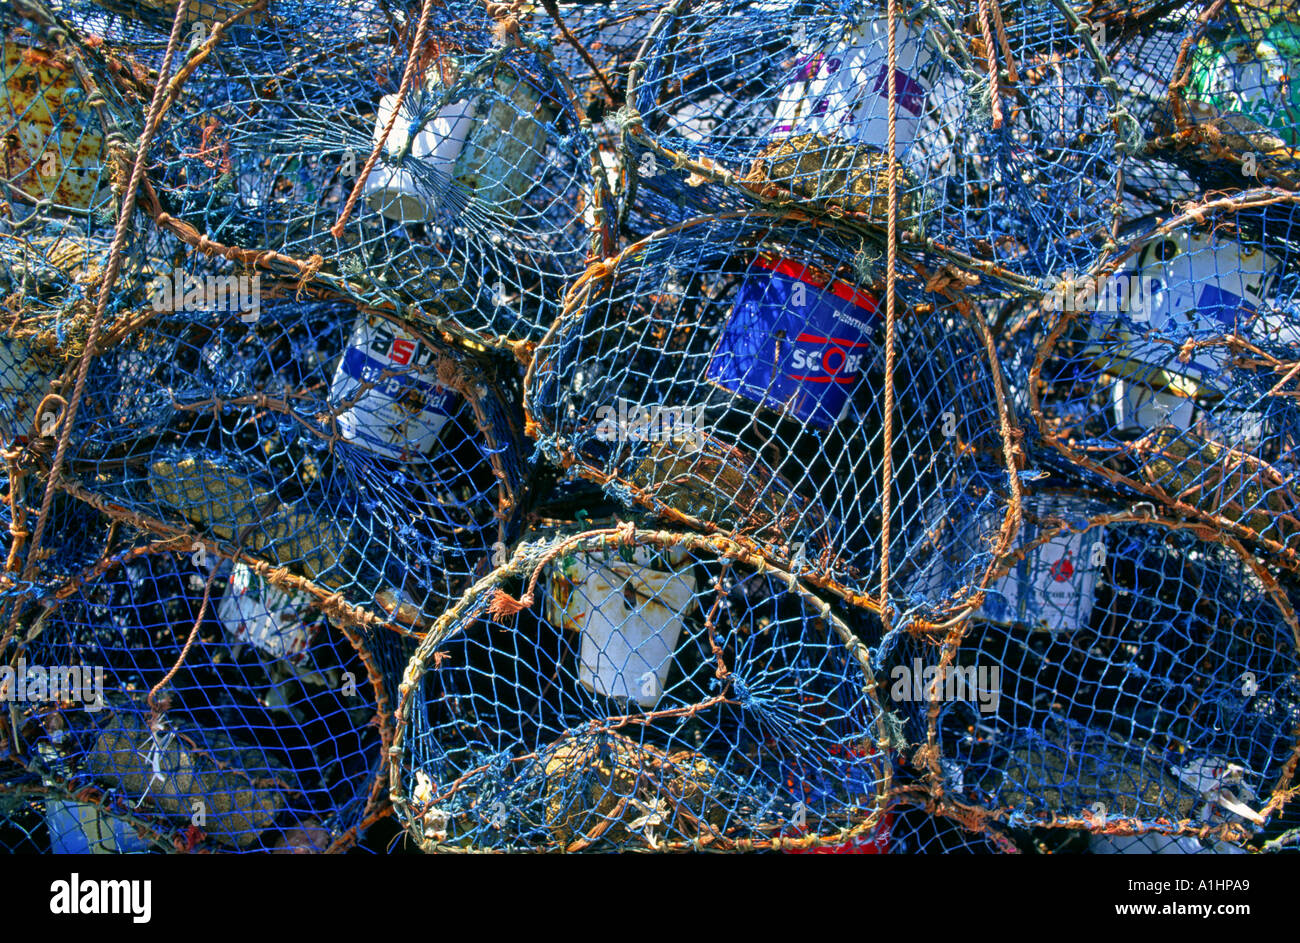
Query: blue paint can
[[401, 415], [796, 342], [80, 828]]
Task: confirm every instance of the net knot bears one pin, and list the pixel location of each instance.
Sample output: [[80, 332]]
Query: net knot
[[309, 271], [626, 118], [503, 605]]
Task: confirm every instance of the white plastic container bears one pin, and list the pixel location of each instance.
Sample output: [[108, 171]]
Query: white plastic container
[[841, 89], [393, 189], [629, 615], [490, 145], [1200, 286], [401, 415], [1052, 589], [1138, 408], [273, 621]]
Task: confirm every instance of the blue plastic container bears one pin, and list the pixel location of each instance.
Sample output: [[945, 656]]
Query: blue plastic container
[[797, 341]]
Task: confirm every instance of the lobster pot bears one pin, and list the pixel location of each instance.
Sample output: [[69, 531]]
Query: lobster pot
[[800, 101], [730, 373], [241, 749], [833, 113], [1244, 65], [796, 101], [751, 728], [364, 459], [1176, 702], [476, 208]]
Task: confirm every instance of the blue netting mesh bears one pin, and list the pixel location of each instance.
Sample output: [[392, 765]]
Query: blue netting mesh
[[216, 720], [668, 695], [730, 370], [1172, 375], [1120, 673], [508, 415], [794, 97], [481, 199]]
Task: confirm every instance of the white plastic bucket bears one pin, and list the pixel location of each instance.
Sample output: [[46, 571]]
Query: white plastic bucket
[[1052, 589], [396, 191], [1138, 408], [841, 89], [630, 617]]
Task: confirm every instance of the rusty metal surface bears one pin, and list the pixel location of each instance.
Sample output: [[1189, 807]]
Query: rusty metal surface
[[50, 147]]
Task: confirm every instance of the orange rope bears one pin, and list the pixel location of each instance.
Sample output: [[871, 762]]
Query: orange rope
[[887, 468], [995, 91], [185, 650], [407, 75], [101, 305]]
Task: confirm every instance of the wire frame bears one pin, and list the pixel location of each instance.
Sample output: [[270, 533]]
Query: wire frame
[[913, 830], [337, 452], [651, 691], [219, 718], [1124, 676]]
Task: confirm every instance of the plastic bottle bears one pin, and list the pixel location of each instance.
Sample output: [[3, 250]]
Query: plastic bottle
[[489, 147]]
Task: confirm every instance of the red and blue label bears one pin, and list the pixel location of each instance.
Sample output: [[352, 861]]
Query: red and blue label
[[796, 342], [403, 412]]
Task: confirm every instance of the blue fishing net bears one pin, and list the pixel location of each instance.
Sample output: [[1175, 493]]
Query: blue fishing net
[[791, 101], [506, 384], [1171, 376], [1122, 676], [480, 201], [654, 693], [730, 372], [221, 713]]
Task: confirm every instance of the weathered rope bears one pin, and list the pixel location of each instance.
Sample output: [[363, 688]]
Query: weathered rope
[[101, 306]]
